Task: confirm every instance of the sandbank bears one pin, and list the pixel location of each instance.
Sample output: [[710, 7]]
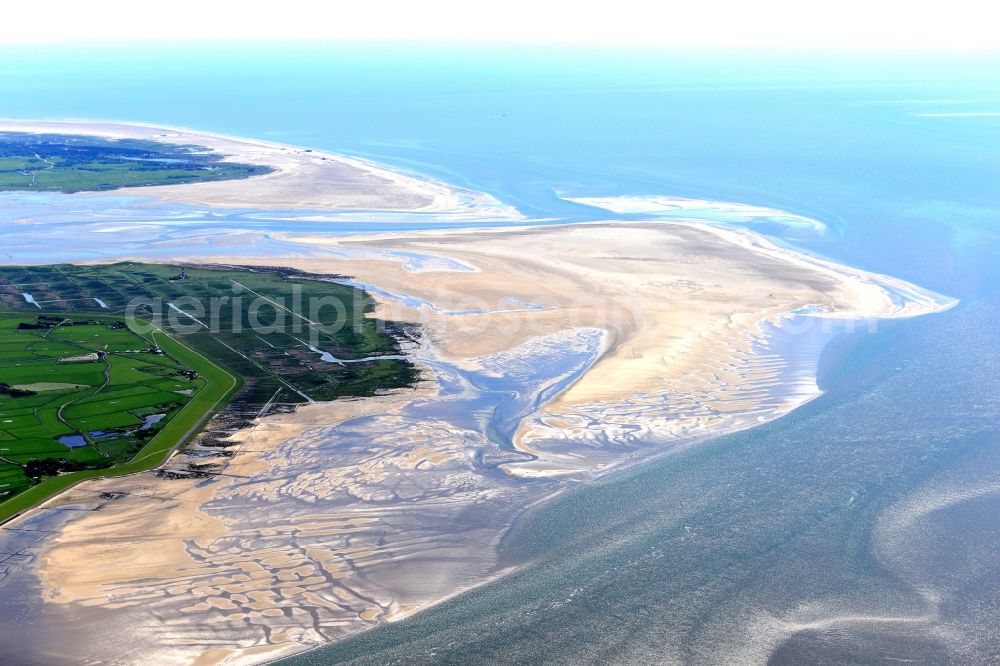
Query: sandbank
[[302, 178]]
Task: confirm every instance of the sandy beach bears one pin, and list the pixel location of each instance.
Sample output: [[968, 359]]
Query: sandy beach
[[682, 307], [550, 355], [621, 341], [302, 178]]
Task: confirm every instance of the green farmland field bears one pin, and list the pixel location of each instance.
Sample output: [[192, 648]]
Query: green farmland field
[[57, 162], [259, 324], [195, 341], [62, 420]]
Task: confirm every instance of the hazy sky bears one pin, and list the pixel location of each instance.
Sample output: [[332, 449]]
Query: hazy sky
[[947, 24]]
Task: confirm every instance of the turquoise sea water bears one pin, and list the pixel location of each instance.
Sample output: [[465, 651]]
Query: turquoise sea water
[[845, 140], [792, 542]]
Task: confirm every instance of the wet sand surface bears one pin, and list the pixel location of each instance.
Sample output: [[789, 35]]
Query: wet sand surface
[[858, 529], [549, 356]]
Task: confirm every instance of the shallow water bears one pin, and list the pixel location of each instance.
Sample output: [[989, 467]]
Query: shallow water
[[73, 441], [789, 542], [839, 532]]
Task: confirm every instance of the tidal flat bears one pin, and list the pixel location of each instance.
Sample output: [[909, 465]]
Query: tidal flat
[[551, 355], [787, 542], [858, 529]]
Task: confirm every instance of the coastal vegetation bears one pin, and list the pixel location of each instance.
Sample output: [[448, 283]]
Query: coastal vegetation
[[93, 396], [106, 369], [63, 163]]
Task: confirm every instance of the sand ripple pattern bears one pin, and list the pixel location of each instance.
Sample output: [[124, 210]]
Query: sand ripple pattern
[[306, 527]]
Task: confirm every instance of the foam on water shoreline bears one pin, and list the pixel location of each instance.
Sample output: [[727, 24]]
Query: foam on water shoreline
[[703, 210], [586, 348]]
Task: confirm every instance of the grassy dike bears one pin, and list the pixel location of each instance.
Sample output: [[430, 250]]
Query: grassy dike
[[220, 387]]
